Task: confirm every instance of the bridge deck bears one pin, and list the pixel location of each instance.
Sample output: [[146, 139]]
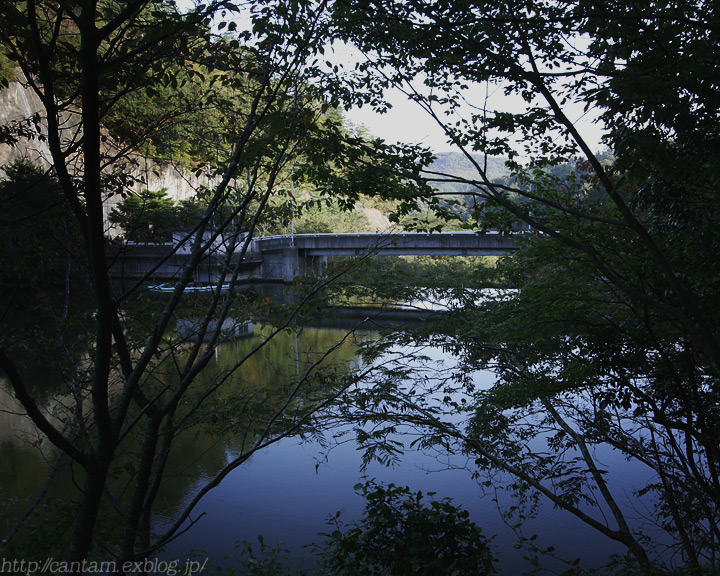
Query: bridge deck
[[407, 243]]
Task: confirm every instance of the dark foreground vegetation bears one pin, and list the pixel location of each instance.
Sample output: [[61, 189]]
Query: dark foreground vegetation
[[609, 339]]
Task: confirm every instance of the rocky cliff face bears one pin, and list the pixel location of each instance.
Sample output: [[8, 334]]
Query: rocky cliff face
[[20, 106]]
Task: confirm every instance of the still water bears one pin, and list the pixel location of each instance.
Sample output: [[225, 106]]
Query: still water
[[287, 492]]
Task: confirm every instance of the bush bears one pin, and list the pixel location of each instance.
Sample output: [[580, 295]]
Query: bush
[[150, 216], [401, 536]]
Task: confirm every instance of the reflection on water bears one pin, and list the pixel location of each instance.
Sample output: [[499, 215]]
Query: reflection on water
[[243, 402], [287, 491], [22, 465]]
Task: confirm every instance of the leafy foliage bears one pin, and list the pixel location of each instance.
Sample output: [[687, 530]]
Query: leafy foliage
[[149, 216], [34, 228], [6, 70], [612, 340], [129, 389], [400, 535], [329, 218]]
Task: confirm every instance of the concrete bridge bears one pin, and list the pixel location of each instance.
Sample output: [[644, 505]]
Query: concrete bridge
[[281, 258], [285, 257]]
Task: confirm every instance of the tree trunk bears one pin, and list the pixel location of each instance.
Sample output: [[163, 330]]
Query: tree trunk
[[90, 500]]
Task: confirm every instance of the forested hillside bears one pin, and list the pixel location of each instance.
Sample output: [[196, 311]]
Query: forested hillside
[[455, 166]]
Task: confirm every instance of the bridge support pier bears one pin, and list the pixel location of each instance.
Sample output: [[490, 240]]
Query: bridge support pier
[[292, 264]]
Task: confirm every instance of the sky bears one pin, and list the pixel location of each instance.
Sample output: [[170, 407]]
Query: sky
[[406, 122]]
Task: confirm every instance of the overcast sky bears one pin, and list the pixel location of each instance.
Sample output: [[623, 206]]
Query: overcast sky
[[406, 122]]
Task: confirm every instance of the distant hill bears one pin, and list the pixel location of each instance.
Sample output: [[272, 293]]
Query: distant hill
[[458, 165]]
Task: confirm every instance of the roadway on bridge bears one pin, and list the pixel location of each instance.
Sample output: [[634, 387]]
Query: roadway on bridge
[[402, 243]]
